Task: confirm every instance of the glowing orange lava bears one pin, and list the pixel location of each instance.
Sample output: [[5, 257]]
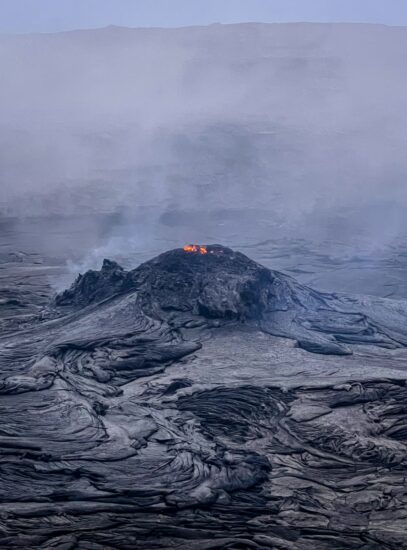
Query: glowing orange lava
[[195, 248]]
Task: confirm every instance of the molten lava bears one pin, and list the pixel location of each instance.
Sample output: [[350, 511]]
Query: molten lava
[[195, 248]]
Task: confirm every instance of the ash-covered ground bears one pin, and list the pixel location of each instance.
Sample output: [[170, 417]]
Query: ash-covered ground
[[201, 401]]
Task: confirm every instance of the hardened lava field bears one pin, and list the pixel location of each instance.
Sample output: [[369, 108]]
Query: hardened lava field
[[203, 401]]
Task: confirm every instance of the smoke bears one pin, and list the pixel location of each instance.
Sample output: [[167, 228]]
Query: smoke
[[293, 129]]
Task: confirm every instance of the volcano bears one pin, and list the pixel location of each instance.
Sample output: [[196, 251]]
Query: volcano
[[227, 285], [204, 401]]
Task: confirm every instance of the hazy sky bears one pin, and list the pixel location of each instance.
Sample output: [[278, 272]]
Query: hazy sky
[[56, 15]]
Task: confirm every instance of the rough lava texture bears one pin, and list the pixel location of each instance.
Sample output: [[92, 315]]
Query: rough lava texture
[[204, 401]]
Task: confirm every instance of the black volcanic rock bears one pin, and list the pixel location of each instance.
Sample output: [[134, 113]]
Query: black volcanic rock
[[168, 407], [219, 284], [94, 286]]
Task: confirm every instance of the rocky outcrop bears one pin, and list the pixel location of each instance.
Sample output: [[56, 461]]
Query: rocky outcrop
[[94, 286]]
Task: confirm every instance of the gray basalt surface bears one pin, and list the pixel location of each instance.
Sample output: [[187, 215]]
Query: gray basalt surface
[[203, 401]]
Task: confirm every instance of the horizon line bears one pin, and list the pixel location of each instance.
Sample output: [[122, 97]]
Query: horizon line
[[208, 25]]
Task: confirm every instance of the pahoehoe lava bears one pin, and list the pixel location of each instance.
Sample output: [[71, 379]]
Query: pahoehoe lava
[[204, 401]]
